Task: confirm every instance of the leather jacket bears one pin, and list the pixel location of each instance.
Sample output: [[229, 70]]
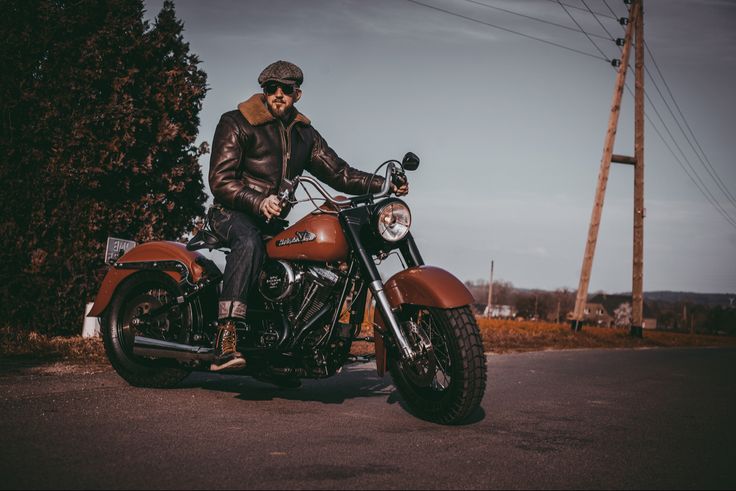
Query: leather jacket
[[252, 151]]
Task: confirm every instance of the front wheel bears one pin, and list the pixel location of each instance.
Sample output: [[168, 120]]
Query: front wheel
[[446, 383]]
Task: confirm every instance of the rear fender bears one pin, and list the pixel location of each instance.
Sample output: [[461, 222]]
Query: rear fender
[[171, 258], [420, 285]]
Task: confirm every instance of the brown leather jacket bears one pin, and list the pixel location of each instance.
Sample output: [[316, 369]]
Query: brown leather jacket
[[252, 151]]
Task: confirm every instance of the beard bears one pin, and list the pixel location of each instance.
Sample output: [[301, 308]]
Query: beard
[[281, 111]]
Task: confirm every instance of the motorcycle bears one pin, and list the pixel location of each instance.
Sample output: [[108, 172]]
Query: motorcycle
[[158, 305]]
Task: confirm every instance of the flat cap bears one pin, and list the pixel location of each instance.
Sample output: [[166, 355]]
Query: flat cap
[[281, 71]]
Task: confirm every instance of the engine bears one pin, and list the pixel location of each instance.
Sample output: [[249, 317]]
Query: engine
[[303, 290]]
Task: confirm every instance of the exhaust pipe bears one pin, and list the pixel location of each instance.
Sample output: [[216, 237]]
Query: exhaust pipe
[[156, 348]]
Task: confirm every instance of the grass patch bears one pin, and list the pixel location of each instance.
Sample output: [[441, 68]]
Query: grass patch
[[503, 336], [32, 346], [510, 336]]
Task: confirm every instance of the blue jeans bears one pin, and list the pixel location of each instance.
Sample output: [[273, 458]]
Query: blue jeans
[[243, 233]]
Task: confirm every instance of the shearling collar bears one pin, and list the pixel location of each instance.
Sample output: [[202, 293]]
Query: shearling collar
[[254, 110]]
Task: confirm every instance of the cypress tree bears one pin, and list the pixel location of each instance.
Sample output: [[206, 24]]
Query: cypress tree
[[99, 122]]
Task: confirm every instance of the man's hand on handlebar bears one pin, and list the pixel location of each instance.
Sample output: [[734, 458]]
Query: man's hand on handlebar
[[270, 207], [399, 185], [402, 191]]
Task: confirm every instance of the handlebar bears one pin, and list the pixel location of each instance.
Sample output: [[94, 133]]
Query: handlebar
[[391, 171]]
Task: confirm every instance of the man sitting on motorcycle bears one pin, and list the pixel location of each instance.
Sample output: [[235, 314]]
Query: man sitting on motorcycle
[[254, 149]]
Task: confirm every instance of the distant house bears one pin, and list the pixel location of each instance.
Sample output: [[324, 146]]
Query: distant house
[[596, 314], [500, 312], [612, 302]]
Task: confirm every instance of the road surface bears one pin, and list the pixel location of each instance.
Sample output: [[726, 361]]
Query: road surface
[[651, 418]]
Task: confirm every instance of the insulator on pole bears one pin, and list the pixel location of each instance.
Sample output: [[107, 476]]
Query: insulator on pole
[[616, 62], [623, 21], [620, 41]]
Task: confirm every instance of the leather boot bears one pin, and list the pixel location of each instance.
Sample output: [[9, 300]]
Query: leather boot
[[226, 355]]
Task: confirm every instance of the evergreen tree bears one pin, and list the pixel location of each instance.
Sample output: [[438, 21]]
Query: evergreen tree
[[99, 120]]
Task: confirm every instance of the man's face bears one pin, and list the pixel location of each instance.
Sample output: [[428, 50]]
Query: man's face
[[280, 98]]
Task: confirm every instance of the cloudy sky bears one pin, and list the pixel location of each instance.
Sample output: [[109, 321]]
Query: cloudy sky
[[510, 130]]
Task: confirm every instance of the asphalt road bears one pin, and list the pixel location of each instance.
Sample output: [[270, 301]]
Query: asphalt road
[[589, 419]]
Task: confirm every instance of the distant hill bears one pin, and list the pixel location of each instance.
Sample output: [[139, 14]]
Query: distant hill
[[710, 299], [707, 299]]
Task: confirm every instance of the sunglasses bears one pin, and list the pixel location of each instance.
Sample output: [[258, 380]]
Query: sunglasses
[[271, 88]]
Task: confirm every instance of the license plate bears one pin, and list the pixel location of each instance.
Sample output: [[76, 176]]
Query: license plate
[[116, 248]]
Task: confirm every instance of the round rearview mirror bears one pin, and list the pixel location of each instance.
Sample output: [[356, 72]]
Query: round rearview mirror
[[410, 161]]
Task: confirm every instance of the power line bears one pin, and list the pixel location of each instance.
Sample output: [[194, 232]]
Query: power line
[[598, 20], [563, 26], [705, 162], [715, 177], [581, 28], [581, 8], [725, 215], [713, 199], [704, 190], [609, 8], [455, 14]]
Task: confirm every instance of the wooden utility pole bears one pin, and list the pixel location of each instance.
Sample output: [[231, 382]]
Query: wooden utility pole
[[637, 287], [600, 194], [489, 308]]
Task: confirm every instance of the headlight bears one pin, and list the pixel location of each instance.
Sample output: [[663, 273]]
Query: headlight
[[393, 221]]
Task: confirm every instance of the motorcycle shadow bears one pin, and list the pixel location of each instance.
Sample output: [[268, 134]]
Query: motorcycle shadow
[[351, 383]]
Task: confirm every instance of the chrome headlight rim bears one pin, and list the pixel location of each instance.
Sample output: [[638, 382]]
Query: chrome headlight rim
[[392, 220]]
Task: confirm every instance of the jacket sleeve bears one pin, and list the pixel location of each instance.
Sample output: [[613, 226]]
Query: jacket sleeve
[[326, 166], [226, 183]]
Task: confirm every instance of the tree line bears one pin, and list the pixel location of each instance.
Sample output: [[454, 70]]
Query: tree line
[[679, 314], [99, 117]]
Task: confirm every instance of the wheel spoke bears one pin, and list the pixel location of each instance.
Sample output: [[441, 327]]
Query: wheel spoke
[[442, 373], [426, 323]]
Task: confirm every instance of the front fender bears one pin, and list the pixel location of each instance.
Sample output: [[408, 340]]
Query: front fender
[[147, 254], [420, 285], [427, 285]]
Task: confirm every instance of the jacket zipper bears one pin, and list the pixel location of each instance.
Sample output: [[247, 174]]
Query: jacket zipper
[[286, 146]]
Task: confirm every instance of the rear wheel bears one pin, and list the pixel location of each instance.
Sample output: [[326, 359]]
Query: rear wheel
[[446, 383], [133, 301]]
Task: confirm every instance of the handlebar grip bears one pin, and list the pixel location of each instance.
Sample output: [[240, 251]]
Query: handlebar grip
[[399, 179]]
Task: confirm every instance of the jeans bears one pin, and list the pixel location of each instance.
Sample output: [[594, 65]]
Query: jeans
[[243, 233]]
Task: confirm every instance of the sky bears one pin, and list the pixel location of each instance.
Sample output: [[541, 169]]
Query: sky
[[509, 130]]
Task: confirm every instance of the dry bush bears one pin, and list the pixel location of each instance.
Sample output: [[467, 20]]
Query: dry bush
[[25, 345], [501, 336]]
